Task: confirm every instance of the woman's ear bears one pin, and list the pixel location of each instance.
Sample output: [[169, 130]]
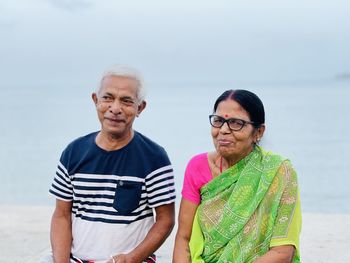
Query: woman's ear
[[261, 130], [259, 133]]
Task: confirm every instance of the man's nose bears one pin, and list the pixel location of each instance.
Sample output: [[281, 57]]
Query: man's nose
[[115, 107]]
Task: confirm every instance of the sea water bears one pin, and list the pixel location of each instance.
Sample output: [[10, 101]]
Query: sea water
[[307, 122]]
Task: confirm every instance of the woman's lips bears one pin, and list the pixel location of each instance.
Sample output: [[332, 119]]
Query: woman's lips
[[223, 142]]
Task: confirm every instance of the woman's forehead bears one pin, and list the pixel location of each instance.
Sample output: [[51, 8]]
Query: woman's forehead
[[230, 107]]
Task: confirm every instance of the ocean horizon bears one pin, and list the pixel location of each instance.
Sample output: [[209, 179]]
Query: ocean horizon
[[305, 122]]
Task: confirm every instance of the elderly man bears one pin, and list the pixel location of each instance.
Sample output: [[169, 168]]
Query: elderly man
[[115, 187]]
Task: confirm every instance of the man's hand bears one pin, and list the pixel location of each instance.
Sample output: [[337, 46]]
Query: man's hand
[[154, 239], [121, 258]]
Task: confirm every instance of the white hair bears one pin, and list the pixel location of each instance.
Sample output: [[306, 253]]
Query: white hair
[[127, 72]]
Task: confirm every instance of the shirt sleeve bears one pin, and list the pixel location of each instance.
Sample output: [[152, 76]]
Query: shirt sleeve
[[189, 189], [160, 184], [288, 221], [61, 186], [197, 174]]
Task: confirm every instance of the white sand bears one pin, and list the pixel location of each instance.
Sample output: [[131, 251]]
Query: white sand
[[24, 236]]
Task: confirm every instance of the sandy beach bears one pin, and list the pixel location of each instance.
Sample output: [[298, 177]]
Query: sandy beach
[[24, 232]]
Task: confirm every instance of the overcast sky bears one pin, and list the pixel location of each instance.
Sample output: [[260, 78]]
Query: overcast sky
[[72, 41]]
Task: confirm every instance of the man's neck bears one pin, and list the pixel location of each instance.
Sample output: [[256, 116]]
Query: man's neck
[[112, 142]]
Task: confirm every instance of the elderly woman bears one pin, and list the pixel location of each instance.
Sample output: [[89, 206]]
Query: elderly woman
[[239, 203]]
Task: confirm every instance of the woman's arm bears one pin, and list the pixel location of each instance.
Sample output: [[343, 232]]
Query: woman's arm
[[181, 253], [289, 208], [61, 232], [279, 254]]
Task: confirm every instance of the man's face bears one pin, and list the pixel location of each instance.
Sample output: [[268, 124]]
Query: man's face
[[117, 105]]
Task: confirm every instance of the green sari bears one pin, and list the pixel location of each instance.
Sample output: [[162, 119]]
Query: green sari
[[244, 209]]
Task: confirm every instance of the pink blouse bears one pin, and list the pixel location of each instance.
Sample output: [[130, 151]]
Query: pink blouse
[[197, 174]]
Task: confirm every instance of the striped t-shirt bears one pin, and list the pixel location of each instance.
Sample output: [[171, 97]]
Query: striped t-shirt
[[113, 193]]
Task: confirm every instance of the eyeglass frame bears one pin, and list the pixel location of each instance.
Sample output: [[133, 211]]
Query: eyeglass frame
[[244, 123]]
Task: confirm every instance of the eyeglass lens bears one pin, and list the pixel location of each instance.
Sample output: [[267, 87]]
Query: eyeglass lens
[[234, 124]]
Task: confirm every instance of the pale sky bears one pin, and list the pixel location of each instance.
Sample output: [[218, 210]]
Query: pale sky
[[72, 41]]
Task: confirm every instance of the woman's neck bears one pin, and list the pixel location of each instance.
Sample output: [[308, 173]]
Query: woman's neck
[[228, 161]]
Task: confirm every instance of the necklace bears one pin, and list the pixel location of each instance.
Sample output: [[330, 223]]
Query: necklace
[[220, 163]]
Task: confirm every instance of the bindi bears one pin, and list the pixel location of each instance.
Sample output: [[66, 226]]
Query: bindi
[[226, 115]]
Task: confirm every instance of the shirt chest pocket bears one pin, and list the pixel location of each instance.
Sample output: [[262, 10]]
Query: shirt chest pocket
[[127, 196]]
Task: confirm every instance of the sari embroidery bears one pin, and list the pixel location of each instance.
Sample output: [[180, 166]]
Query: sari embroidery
[[244, 208]]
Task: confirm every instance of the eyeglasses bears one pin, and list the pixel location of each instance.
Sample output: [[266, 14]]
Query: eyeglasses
[[234, 124]]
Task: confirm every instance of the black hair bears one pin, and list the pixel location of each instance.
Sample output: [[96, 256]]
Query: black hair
[[248, 101]]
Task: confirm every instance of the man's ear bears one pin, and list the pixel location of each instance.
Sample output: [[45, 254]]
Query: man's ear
[[94, 98], [141, 107]]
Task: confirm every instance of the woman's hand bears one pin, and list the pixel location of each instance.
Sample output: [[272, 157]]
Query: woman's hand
[[279, 254], [187, 212]]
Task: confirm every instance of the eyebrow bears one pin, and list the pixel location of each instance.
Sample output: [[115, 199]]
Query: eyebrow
[[106, 93], [122, 97], [233, 118], [128, 97]]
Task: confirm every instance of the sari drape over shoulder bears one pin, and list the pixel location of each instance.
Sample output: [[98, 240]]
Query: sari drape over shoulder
[[247, 209]]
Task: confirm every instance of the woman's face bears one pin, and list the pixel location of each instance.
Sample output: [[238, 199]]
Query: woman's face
[[233, 145]]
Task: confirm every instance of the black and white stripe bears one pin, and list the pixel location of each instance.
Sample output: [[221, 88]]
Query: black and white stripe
[[94, 194], [160, 186]]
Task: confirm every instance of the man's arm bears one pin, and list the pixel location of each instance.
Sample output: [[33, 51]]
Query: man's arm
[[154, 239], [61, 231]]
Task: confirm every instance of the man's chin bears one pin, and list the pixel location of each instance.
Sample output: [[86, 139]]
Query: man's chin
[[117, 132]]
